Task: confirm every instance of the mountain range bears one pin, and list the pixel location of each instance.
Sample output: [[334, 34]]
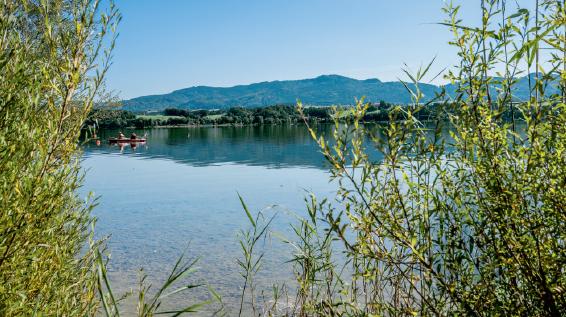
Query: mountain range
[[323, 90]]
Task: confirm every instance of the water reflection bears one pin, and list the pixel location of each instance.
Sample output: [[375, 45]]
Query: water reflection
[[272, 146], [269, 146], [181, 186]]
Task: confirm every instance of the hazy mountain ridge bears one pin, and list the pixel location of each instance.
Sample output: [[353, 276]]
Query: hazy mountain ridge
[[324, 90]]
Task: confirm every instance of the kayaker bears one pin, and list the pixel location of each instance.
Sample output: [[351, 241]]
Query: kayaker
[[121, 136], [133, 136]]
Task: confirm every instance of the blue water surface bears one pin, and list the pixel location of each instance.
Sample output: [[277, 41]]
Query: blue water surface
[[178, 193]]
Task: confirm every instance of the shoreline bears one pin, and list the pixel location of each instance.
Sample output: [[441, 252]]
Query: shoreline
[[232, 125]]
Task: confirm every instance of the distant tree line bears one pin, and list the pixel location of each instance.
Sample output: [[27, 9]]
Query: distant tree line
[[110, 118], [277, 114]]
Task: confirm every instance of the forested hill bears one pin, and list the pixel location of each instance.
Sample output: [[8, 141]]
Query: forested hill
[[322, 91]]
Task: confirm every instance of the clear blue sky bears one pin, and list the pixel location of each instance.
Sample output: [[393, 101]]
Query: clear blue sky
[[173, 44]]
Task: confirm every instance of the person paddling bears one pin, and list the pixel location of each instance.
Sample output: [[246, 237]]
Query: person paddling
[[133, 136], [121, 136]]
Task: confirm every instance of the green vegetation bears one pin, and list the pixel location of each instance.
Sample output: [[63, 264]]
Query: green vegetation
[[468, 224], [158, 117], [279, 114], [113, 118], [53, 60], [326, 90], [110, 118], [48, 52]]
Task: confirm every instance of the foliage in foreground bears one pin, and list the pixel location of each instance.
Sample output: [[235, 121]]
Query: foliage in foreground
[[467, 218], [54, 55], [51, 68], [471, 223]]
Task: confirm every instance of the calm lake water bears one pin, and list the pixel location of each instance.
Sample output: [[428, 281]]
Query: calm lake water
[[179, 191]]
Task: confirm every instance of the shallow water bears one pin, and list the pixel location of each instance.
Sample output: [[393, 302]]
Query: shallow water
[[179, 190]]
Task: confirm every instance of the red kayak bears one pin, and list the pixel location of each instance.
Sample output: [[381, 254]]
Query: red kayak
[[115, 140]]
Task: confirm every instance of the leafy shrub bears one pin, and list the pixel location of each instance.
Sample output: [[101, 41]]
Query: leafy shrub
[[465, 218], [47, 52]]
